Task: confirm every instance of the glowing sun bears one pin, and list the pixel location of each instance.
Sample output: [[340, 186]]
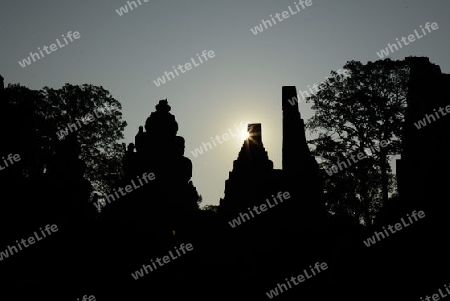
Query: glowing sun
[[244, 134]]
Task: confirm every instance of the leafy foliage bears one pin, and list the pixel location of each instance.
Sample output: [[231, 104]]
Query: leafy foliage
[[354, 112], [99, 127], [37, 117]]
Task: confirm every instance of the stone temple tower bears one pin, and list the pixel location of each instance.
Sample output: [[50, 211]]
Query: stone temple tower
[[422, 171], [296, 155], [300, 169], [253, 177]]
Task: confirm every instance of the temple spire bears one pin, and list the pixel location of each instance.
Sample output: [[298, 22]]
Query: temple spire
[[295, 148]]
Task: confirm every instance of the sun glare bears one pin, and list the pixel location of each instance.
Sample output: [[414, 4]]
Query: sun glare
[[244, 135]]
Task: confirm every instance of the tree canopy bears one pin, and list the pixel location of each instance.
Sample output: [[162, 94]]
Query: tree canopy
[[49, 115], [354, 113]]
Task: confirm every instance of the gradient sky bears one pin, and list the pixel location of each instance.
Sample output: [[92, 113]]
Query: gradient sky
[[124, 54]]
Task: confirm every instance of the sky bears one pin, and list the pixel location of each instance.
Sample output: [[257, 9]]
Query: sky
[[240, 83]]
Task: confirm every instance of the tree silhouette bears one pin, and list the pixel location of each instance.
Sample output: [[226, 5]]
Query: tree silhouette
[[24, 131], [94, 115], [355, 111], [211, 208]]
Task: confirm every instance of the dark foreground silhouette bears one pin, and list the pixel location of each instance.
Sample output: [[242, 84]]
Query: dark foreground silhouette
[[271, 236]]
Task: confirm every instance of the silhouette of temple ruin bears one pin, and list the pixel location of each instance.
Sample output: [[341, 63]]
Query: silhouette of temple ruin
[[245, 261], [165, 201], [274, 242], [253, 178], [424, 163]]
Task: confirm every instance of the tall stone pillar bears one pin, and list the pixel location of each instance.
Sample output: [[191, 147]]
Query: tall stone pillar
[[295, 149]]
